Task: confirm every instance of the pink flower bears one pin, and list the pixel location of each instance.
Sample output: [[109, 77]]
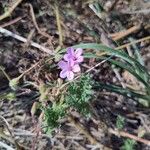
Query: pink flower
[[74, 55], [68, 69]]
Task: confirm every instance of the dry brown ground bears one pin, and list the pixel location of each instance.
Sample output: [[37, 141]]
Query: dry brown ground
[[36, 20]]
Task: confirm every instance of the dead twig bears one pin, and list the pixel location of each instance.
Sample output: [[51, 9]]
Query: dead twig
[[122, 34], [36, 25], [128, 135], [29, 38], [5, 74], [28, 70], [134, 42], [126, 45], [20, 76], [22, 39], [100, 63], [11, 22], [10, 10]]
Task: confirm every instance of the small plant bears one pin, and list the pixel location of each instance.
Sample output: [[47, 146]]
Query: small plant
[[53, 114], [128, 145], [9, 96], [77, 97], [79, 94], [120, 122]]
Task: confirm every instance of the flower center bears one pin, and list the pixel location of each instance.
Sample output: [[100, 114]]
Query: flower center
[[69, 67], [74, 58]]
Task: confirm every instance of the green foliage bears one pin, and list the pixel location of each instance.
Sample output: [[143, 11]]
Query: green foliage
[[79, 93], [120, 122], [124, 61], [125, 92], [9, 96], [128, 145], [53, 114]]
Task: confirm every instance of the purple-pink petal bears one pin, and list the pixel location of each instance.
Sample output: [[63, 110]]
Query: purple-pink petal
[[70, 75], [70, 51], [66, 57], [63, 74], [76, 68], [78, 52], [62, 64], [71, 63], [80, 59]]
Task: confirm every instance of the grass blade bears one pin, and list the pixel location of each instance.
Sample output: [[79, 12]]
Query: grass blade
[[125, 92]]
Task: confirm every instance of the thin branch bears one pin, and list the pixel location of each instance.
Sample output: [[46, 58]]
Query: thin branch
[[28, 70], [128, 135], [4, 72], [10, 10], [29, 38], [122, 34], [134, 42], [100, 63], [126, 45], [36, 25], [11, 22], [22, 39]]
